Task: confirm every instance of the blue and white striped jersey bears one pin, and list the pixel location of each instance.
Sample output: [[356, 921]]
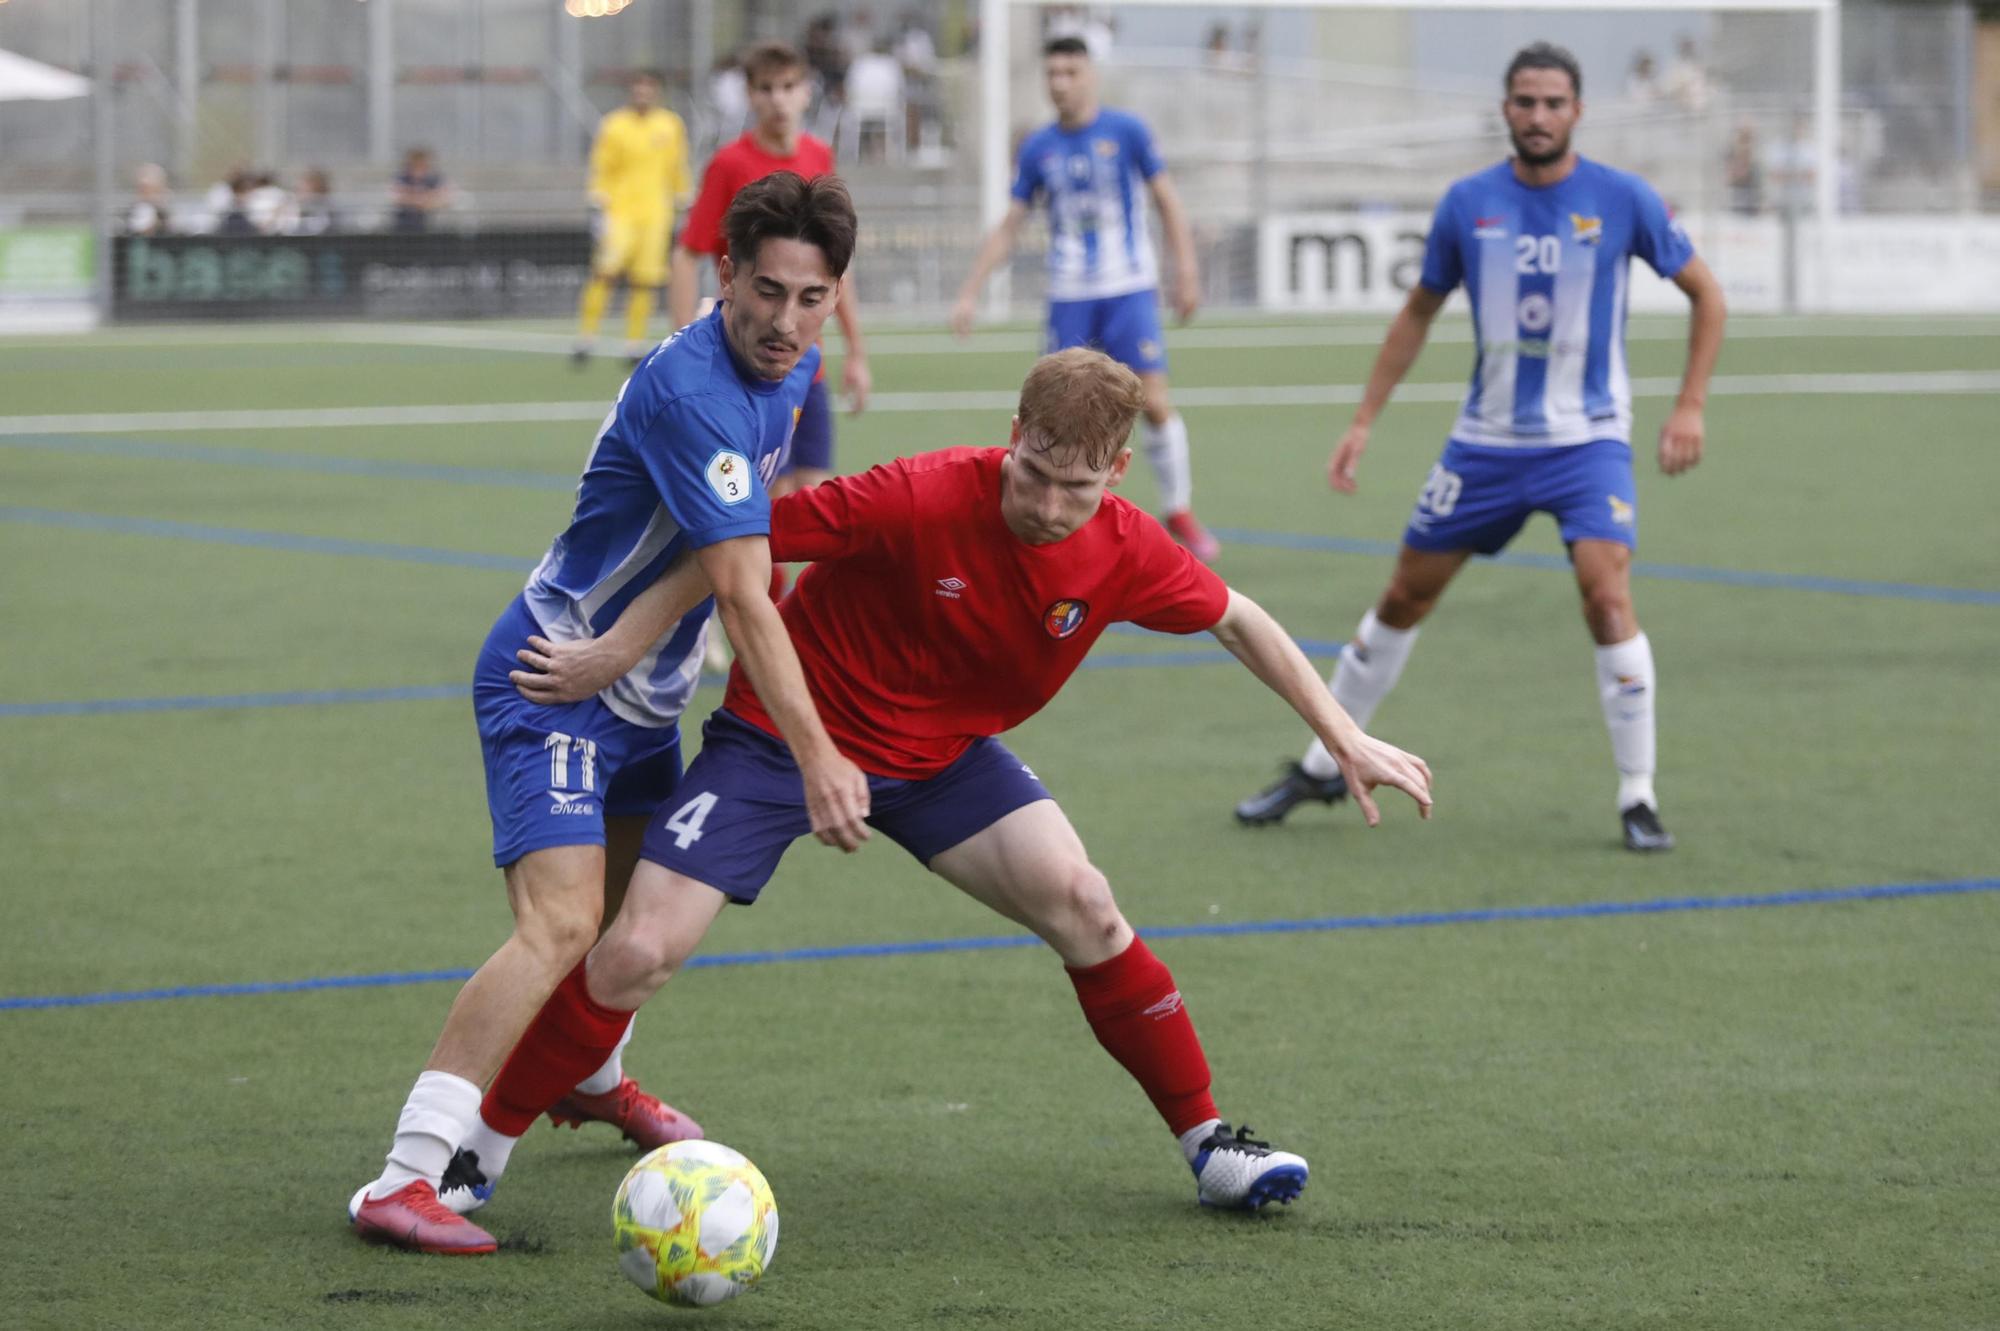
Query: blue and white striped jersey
[[683, 461], [1546, 271], [1094, 178]]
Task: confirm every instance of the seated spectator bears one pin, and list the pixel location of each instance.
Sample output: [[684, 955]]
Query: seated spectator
[[234, 219], [152, 213], [269, 205], [313, 213], [1743, 172], [1642, 82], [418, 192]]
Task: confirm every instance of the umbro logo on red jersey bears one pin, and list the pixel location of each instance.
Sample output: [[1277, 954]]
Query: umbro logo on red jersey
[[950, 587]]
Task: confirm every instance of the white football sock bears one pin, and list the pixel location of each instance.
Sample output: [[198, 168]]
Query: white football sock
[[1369, 667], [1167, 450], [1625, 686], [491, 1145], [438, 1112], [1192, 1139], [606, 1079]]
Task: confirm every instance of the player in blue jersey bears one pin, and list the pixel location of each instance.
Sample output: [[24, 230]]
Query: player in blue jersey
[[681, 464], [1095, 166], [1543, 245]]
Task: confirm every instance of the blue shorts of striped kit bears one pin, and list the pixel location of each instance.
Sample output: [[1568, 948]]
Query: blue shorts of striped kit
[[1477, 497], [743, 802], [1125, 328], [554, 774]]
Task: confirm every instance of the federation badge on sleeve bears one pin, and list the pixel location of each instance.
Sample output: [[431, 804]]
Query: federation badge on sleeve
[[729, 476], [1065, 617]]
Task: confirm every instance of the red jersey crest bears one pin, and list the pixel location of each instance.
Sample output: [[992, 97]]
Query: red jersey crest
[[1065, 617]]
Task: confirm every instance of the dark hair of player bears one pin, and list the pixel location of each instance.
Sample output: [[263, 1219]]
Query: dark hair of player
[[1545, 55], [767, 58], [1066, 46], [786, 206], [1079, 401]]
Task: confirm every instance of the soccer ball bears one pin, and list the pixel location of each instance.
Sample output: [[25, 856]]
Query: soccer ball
[[695, 1223]]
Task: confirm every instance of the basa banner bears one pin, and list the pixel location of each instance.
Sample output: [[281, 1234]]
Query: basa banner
[[446, 275]]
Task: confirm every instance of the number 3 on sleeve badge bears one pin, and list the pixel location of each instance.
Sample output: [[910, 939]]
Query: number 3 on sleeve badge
[[729, 476], [1065, 617]]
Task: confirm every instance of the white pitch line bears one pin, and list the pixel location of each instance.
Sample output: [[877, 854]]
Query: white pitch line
[[985, 399]]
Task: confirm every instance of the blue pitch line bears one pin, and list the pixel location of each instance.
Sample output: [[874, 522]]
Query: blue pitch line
[[1730, 577], [266, 540], [931, 946], [418, 554], [105, 446], [216, 702]]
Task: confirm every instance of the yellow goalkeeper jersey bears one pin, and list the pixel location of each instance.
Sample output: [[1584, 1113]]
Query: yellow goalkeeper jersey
[[639, 163]]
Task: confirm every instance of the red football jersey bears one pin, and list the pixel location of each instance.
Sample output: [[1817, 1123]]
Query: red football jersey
[[735, 166], [924, 623]]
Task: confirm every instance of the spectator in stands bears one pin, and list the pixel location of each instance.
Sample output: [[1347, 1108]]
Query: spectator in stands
[[419, 191], [874, 101], [727, 113], [827, 52], [1686, 79], [313, 213], [1642, 81], [152, 213], [217, 202], [1794, 168], [1743, 172], [268, 205], [234, 219]]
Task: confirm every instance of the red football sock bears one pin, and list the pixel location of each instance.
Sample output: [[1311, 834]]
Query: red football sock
[[1137, 1015], [569, 1039]]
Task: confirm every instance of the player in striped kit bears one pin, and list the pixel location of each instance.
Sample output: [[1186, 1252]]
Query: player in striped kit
[[1543, 245]]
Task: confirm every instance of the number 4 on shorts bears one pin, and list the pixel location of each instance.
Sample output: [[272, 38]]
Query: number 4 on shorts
[[687, 820]]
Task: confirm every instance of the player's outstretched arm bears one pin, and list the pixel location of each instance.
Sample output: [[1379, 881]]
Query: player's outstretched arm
[[1180, 245], [1257, 640], [566, 672], [854, 376], [999, 243], [836, 790], [1683, 433], [1400, 348]]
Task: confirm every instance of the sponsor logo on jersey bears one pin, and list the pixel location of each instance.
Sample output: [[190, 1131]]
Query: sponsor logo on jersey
[[1587, 230], [729, 476], [1489, 228], [1065, 617], [1621, 512], [1536, 312], [950, 587], [1106, 148]]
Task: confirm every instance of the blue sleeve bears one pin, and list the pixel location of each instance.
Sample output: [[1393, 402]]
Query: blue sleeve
[[1444, 261], [1656, 236], [701, 453], [1027, 177], [1139, 142]]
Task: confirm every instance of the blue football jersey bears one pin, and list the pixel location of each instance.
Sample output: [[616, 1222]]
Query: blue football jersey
[[684, 460], [1094, 180], [1546, 270]]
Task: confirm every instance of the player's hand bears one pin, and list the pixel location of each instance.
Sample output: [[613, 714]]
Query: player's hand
[[1346, 456], [836, 800], [1369, 763], [856, 381], [1680, 440], [564, 672], [963, 311]]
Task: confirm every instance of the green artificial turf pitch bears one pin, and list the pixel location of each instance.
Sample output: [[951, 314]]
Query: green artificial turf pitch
[[1778, 1117]]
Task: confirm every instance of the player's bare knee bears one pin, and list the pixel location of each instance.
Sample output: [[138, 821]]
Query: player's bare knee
[[1088, 918], [560, 931], [1608, 611], [1402, 606]]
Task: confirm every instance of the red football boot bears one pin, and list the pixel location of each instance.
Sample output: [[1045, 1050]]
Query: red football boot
[[646, 1120], [1184, 527], [412, 1217]]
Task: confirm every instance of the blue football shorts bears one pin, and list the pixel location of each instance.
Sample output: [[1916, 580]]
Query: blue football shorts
[[553, 774], [1477, 498], [743, 802], [1125, 328], [812, 441]]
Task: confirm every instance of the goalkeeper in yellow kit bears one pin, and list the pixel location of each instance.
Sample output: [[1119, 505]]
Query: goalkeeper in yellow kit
[[639, 173]]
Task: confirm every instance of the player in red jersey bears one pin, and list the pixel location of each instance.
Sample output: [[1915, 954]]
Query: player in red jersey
[[777, 79], [950, 597]]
